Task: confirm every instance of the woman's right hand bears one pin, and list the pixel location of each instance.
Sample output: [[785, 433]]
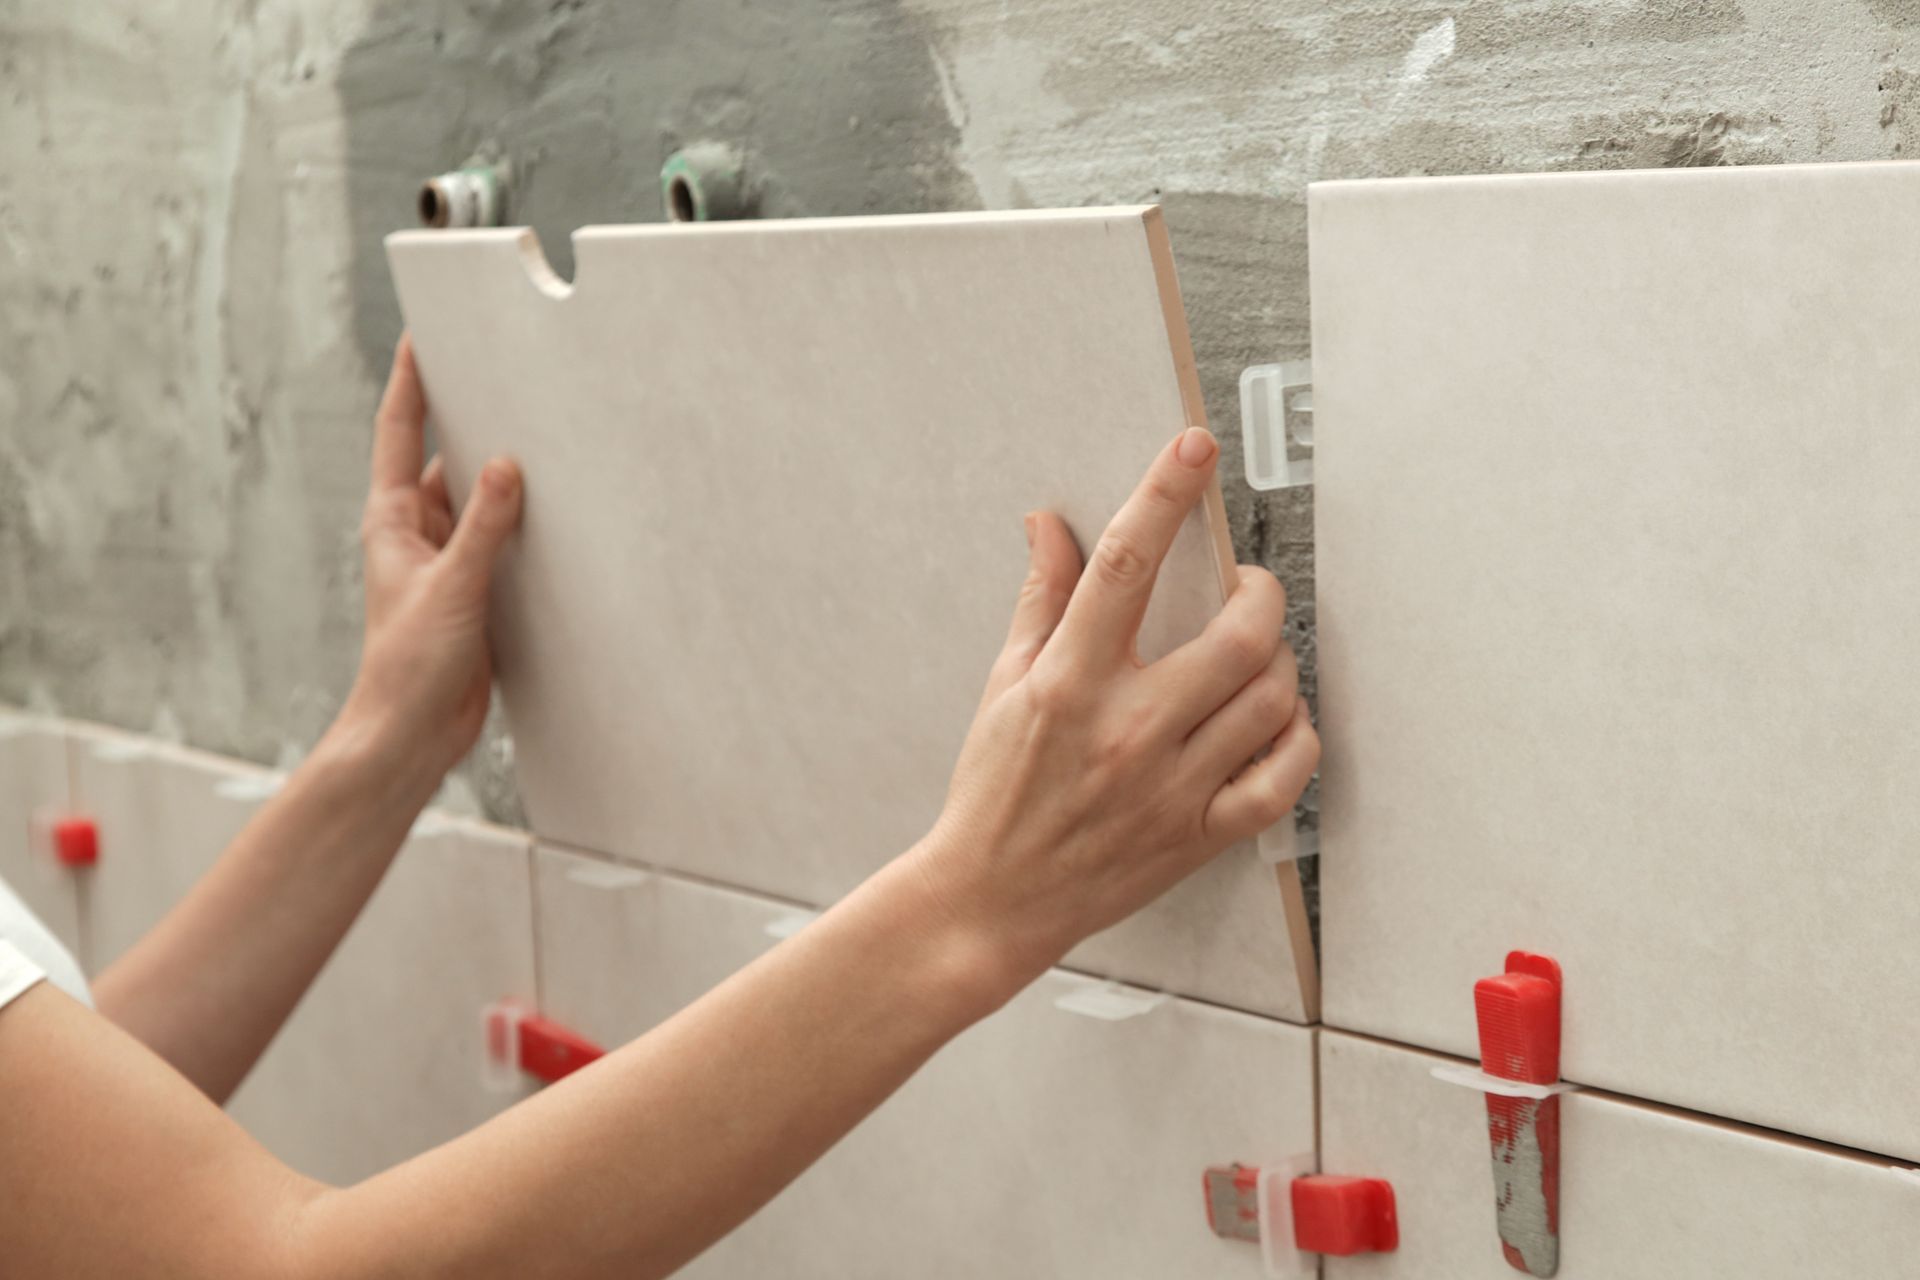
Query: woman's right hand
[[426, 669], [1090, 782]]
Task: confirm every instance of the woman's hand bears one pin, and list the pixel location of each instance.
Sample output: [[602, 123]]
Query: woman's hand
[[1091, 783], [209, 986], [425, 669]]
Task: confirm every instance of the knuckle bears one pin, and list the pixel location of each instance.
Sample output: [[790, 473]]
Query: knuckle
[[1038, 589], [1006, 668], [1271, 804], [1048, 690], [1245, 644], [1278, 791], [1285, 668], [1118, 562], [1272, 799], [1270, 700], [1310, 747]]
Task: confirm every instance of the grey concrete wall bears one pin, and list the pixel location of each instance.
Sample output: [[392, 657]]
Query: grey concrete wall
[[195, 314]]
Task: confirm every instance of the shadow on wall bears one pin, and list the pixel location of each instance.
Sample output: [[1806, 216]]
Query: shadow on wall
[[838, 102]]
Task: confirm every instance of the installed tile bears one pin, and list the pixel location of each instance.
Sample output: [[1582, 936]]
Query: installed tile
[[1645, 1191], [1041, 1143], [384, 1057], [33, 788], [777, 701], [164, 814], [1615, 502]]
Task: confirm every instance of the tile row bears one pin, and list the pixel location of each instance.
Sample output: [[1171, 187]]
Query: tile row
[[1613, 484], [1043, 1142], [1614, 598]]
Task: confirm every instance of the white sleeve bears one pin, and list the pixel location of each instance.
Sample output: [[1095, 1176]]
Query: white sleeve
[[17, 973]]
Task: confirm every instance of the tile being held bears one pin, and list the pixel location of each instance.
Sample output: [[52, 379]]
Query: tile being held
[[784, 714]]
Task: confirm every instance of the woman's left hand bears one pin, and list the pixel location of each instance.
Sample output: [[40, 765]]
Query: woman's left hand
[[425, 668]]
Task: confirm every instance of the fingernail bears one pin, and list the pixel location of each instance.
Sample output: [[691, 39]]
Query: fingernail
[[1195, 448], [499, 478], [1029, 523]]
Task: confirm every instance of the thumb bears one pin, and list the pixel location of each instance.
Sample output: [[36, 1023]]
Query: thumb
[[1053, 567], [491, 516]]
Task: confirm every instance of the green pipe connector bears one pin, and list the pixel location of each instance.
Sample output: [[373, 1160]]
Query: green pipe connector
[[706, 182]]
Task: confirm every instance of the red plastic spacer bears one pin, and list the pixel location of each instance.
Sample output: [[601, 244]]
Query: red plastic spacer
[[76, 842], [1519, 1017], [1344, 1216], [550, 1052], [1233, 1209]]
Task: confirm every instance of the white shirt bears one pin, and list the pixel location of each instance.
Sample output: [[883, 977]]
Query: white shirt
[[29, 953]]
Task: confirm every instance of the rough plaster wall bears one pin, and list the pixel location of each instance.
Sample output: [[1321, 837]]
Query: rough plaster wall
[[195, 314]]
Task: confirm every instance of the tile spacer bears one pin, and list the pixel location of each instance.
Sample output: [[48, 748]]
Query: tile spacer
[[1233, 1205], [782, 927], [1294, 1214], [1110, 1001], [1285, 842], [1342, 1216], [550, 1052], [519, 1042], [1518, 1012], [76, 841], [1276, 424]]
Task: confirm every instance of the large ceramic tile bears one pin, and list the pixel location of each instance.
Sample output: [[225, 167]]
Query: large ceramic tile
[[777, 701], [1616, 517], [1644, 1190], [165, 814], [384, 1057], [1041, 1143], [33, 788]]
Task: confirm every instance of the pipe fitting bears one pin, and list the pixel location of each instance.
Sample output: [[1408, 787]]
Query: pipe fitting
[[475, 196], [706, 182]]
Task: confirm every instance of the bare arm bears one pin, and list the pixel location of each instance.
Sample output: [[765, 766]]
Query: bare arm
[[1089, 784], [632, 1167], [627, 1169], [211, 984]]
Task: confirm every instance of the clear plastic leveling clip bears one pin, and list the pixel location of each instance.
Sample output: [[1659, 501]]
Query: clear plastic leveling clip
[[1276, 424]]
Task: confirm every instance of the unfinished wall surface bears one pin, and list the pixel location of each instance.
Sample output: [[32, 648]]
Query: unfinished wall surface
[[195, 313]]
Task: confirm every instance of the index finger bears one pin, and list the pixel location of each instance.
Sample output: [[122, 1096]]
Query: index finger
[[1106, 609], [399, 424]]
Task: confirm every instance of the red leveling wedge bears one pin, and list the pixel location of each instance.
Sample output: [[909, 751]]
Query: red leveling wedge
[[1519, 1018]]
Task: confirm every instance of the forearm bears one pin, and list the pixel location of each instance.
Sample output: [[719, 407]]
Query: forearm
[[209, 986], [627, 1169], [644, 1159]]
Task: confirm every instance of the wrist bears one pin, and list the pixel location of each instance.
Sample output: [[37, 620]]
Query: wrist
[[368, 754], [951, 971], [989, 959]]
